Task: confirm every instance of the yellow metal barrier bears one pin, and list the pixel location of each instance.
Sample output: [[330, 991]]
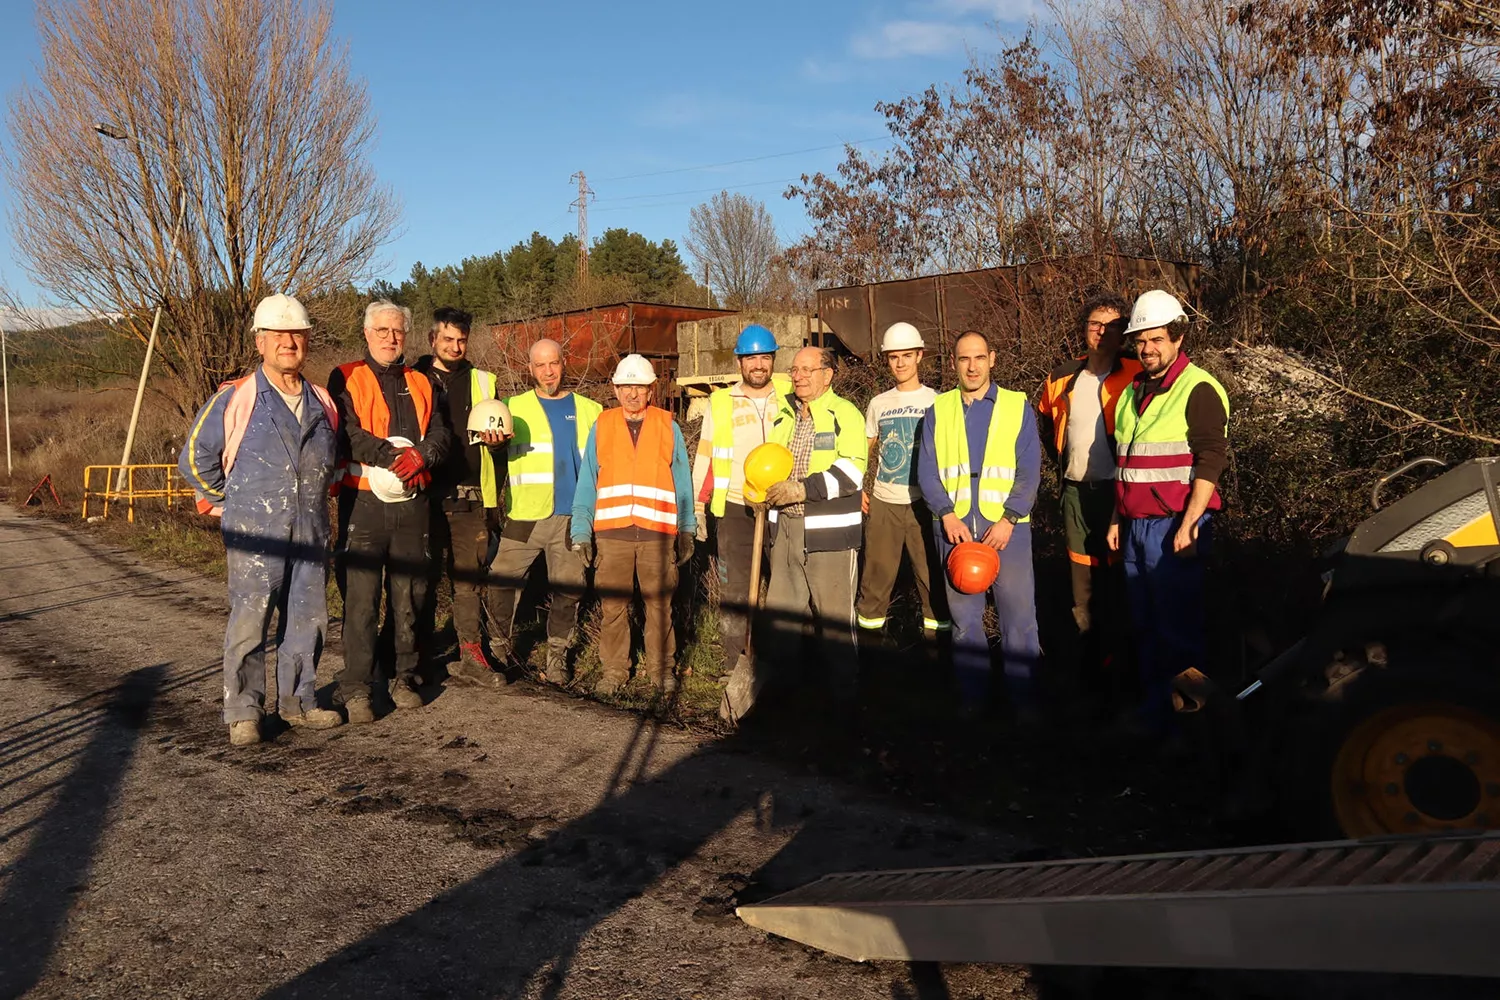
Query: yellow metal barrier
[[172, 487]]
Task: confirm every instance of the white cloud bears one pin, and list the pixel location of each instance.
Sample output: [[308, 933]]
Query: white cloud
[[898, 39], [942, 27]]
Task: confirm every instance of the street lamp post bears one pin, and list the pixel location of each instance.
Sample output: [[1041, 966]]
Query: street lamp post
[[110, 132]]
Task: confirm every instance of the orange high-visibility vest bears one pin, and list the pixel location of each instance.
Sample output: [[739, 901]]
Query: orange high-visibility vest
[[374, 416], [635, 477]]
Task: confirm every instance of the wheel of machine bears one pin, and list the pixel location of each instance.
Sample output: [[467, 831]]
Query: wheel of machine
[[1421, 767]]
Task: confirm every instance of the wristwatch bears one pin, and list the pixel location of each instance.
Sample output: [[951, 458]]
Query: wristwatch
[[1013, 518]]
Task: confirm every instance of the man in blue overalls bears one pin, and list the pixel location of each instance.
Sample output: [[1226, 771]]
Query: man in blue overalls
[[261, 457]]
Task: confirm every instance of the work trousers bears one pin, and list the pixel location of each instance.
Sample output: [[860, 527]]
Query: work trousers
[[520, 544], [735, 533], [814, 588], [382, 549], [460, 542], [890, 530], [1014, 592], [1098, 581], [288, 579], [1166, 606], [619, 565]]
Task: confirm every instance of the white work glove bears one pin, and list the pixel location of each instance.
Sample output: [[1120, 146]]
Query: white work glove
[[700, 512]]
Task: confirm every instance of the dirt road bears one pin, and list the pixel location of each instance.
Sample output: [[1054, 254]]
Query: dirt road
[[516, 844]]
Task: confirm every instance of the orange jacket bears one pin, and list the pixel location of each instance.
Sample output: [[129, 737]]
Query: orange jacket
[[635, 477], [374, 416], [1054, 404]]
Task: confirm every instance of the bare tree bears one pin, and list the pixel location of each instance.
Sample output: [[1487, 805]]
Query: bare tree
[[733, 237], [244, 112]]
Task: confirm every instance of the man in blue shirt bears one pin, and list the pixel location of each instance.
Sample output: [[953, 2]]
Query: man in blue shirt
[[979, 463]]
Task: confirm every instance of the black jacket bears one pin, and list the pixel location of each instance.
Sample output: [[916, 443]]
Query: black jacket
[[367, 449], [461, 467]]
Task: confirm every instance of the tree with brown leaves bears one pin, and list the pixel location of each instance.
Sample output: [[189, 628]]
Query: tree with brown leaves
[[244, 112]]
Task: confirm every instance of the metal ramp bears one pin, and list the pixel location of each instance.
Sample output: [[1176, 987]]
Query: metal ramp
[[1416, 905]]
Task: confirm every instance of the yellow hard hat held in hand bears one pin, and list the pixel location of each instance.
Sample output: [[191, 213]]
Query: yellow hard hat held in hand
[[766, 464]]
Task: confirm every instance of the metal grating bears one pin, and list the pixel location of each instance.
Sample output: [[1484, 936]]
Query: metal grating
[[1466, 859]]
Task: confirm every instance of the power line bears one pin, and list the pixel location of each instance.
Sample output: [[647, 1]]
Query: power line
[[715, 189], [749, 159]]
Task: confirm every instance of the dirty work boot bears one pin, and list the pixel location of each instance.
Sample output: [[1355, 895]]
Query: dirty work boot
[[558, 671], [404, 694], [244, 733], [313, 718], [609, 682], [359, 711], [473, 667], [663, 679]]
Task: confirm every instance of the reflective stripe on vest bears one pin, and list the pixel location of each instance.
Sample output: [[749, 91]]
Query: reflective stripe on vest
[[529, 454], [1154, 463], [721, 407], [373, 414], [635, 476], [482, 387], [839, 444], [997, 476]]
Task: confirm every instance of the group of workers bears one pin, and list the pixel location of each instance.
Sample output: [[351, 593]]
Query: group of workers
[[427, 463]]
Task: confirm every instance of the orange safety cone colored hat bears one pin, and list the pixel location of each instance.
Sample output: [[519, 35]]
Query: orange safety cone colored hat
[[766, 464], [973, 567]]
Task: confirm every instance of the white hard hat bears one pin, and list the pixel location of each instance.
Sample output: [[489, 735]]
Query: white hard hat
[[490, 415], [281, 312], [901, 337], [385, 484], [634, 370], [1153, 309]]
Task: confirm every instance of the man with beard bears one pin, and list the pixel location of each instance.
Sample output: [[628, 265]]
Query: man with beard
[[464, 493]]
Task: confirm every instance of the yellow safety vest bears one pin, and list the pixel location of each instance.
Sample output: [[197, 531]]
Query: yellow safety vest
[[997, 476], [482, 387], [721, 407], [529, 454]]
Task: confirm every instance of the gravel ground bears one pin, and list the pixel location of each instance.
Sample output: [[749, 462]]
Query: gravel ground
[[514, 844], [510, 844]]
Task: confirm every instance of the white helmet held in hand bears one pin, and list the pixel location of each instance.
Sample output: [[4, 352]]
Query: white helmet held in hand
[[901, 337], [1153, 309], [385, 484], [634, 370], [490, 415], [281, 312]]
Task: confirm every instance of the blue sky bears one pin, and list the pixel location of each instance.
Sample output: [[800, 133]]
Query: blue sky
[[485, 109]]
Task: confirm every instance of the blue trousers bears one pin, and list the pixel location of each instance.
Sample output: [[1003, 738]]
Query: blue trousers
[[268, 576], [1014, 592], [1166, 606]]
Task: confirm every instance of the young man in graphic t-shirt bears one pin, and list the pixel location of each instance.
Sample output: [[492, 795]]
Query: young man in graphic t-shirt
[[898, 519]]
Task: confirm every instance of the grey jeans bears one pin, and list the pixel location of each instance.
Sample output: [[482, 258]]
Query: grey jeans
[[811, 588], [520, 544]]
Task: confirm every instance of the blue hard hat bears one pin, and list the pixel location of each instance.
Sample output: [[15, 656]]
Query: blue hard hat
[[755, 339]]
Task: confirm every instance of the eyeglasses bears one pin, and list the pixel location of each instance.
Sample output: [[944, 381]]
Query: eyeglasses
[[388, 331], [805, 372]]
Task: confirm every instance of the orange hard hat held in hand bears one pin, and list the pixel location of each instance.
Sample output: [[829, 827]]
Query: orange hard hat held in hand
[[766, 464], [973, 567]]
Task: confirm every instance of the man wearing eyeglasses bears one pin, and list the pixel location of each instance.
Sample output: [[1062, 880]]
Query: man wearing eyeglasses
[[394, 433], [1077, 424], [816, 516]]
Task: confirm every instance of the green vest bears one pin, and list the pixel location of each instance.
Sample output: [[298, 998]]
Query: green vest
[[832, 439], [721, 407], [529, 454], [997, 475], [1154, 462]]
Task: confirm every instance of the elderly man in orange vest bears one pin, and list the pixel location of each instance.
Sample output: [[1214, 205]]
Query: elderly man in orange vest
[[394, 432], [633, 522]]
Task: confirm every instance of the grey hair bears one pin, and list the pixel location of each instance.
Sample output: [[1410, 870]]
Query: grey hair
[[386, 305], [531, 351]]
